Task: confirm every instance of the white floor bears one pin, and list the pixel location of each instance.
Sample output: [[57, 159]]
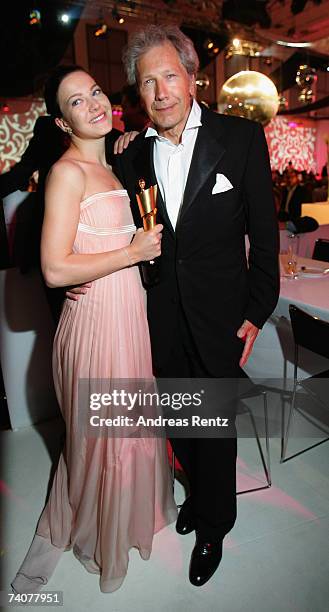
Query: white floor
[[276, 559]]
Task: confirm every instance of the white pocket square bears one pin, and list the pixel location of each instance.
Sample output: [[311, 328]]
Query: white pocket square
[[222, 184]]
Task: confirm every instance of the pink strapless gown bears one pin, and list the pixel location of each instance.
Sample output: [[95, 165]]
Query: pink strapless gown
[[108, 494]]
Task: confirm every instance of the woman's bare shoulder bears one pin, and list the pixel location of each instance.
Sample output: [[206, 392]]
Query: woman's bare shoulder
[[66, 169], [67, 177]]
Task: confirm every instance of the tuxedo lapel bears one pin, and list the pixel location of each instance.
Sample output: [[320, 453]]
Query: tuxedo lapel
[[142, 166], [206, 155]]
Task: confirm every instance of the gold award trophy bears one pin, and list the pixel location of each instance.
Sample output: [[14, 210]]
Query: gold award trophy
[[147, 204], [146, 200]]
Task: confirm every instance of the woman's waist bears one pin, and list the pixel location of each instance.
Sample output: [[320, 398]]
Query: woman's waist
[[91, 244], [126, 281]]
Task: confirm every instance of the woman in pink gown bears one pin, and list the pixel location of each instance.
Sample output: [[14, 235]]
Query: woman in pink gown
[[109, 494]]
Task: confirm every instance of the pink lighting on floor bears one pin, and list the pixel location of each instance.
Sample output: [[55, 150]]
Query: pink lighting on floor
[[6, 491]]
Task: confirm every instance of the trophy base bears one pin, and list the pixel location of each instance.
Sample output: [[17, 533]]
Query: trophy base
[[150, 273]]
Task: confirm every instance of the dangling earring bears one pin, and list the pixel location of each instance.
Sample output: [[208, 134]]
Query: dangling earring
[[69, 130]]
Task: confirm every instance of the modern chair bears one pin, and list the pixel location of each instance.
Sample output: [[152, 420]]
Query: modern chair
[[313, 334], [251, 390], [321, 249]]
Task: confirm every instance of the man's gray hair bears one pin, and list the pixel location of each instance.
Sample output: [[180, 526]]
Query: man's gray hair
[[154, 36]]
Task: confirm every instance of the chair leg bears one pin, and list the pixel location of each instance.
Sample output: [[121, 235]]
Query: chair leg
[[267, 442], [286, 432], [266, 463], [284, 457]]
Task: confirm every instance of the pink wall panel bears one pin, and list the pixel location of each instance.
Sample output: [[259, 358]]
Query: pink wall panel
[[289, 140]]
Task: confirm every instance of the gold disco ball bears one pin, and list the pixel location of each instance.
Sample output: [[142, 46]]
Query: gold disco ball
[[249, 94]]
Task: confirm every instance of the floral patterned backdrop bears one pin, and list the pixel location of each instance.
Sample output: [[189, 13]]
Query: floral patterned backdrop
[[15, 132], [286, 142]]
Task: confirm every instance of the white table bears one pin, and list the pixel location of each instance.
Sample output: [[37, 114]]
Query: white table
[[272, 356], [310, 294]]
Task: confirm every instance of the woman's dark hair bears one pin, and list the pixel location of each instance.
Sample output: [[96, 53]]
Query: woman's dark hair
[[52, 85]]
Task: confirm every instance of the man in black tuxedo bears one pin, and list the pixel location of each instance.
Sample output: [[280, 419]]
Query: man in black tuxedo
[[205, 312], [293, 196]]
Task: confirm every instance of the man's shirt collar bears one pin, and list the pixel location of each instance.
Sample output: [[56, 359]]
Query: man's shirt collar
[[193, 121]]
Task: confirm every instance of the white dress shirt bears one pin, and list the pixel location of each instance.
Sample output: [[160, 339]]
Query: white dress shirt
[[172, 162]]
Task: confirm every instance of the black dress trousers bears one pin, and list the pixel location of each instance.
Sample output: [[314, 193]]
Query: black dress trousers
[[209, 463]]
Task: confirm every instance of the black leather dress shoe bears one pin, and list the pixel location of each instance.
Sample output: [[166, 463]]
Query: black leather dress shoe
[[185, 522], [205, 559]]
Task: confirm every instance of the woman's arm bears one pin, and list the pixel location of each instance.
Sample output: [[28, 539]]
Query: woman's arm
[[62, 267]]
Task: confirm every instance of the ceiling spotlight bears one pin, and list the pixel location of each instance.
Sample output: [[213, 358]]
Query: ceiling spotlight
[[209, 44], [65, 18], [283, 103], [211, 47], [117, 16], [285, 43], [101, 30], [35, 17], [243, 47]]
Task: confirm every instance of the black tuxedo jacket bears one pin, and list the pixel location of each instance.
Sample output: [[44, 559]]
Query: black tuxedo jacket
[[203, 265], [299, 197]]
